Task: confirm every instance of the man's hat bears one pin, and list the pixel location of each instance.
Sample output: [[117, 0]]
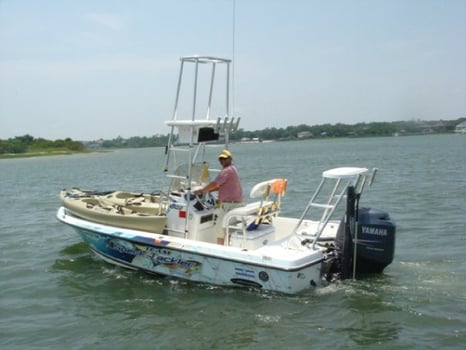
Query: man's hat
[[224, 154]]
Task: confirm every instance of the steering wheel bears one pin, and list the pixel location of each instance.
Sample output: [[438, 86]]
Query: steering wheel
[[207, 200]]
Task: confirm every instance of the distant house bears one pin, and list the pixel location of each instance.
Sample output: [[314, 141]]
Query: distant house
[[461, 128], [304, 135], [430, 126], [250, 140]]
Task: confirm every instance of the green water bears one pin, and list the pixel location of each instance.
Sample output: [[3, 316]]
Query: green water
[[55, 294]]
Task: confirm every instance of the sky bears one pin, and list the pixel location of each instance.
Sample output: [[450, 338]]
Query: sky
[[93, 69]]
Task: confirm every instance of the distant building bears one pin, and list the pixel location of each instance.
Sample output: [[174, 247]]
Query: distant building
[[461, 128], [430, 126], [250, 140], [304, 135]]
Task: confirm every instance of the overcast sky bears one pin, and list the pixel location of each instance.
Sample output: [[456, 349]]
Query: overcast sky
[[100, 69]]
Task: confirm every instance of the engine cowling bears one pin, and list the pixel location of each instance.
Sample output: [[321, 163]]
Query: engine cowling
[[375, 248]]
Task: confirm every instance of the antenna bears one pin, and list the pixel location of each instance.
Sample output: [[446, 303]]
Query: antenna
[[233, 59]]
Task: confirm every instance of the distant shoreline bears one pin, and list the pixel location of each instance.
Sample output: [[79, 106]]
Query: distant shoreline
[[46, 154]]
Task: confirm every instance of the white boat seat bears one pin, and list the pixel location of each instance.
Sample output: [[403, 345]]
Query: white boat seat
[[242, 214], [243, 221]]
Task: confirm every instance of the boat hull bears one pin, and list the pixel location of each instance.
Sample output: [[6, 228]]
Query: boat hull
[[204, 262]]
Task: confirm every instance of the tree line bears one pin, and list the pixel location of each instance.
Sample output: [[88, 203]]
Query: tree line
[[304, 131], [398, 128], [27, 143]]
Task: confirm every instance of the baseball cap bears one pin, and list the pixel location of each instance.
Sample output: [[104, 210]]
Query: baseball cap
[[224, 154]]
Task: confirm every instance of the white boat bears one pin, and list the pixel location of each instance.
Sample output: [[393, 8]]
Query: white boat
[[333, 237]]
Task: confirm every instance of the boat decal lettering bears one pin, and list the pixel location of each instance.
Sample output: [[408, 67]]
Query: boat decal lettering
[[244, 272], [176, 265], [150, 257], [170, 261], [126, 247], [377, 231]]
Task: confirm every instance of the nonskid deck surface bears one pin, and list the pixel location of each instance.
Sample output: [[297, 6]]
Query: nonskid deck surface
[[308, 228]]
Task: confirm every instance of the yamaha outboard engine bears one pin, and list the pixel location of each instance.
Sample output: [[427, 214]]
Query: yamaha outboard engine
[[375, 238]]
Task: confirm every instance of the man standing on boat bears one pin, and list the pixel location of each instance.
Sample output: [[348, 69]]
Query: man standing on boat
[[230, 193]]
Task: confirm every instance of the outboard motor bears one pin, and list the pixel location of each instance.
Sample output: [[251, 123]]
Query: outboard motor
[[375, 239]]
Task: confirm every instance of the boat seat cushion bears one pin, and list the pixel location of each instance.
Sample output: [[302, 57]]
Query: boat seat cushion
[[251, 216]]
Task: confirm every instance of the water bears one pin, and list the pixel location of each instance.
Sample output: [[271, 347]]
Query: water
[[55, 294]]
